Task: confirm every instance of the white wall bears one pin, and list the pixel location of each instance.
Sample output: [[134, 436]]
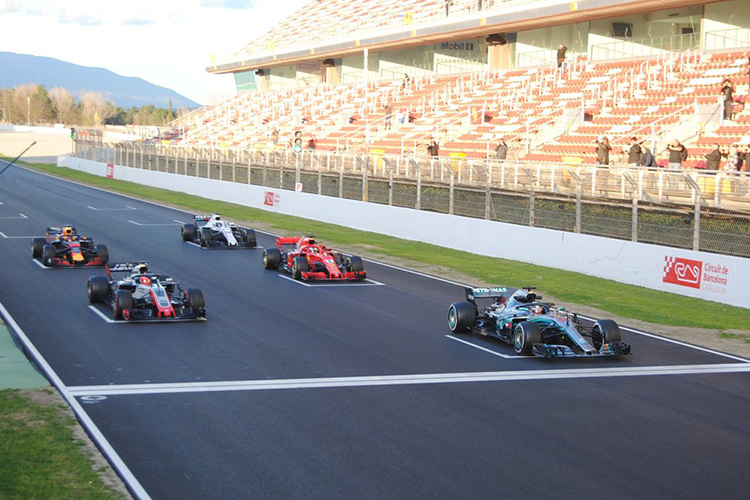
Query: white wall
[[719, 278]]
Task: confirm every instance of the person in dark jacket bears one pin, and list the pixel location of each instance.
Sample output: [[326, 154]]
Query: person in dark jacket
[[433, 149], [677, 154], [713, 159], [647, 157], [727, 93], [634, 152], [561, 50], [602, 150]]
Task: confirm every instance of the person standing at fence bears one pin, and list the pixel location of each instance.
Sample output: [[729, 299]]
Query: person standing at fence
[[602, 150], [677, 154], [727, 92], [501, 151], [647, 158], [312, 143], [561, 50], [388, 113], [433, 149], [634, 152], [713, 159]]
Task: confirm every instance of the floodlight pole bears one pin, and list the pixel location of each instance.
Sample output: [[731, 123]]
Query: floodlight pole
[[367, 125]]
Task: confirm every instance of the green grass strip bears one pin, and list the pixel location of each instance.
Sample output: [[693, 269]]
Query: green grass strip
[[622, 300], [40, 457]]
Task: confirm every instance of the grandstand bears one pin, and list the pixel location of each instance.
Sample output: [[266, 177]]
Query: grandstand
[[479, 70]]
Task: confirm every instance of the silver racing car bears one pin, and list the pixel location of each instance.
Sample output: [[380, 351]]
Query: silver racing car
[[518, 317]]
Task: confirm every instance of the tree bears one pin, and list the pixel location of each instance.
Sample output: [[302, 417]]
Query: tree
[[64, 104], [95, 110]]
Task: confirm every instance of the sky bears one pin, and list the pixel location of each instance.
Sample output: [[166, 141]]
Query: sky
[[166, 42]]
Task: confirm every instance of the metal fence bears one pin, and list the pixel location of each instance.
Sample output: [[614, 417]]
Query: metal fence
[[694, 209]]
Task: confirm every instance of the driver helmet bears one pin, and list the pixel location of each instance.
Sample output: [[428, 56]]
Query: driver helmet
[[537, 309], [67, 230], [140, 269], [145, 280]]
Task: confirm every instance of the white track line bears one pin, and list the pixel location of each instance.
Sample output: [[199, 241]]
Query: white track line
[[471, 344], [329, 284], [149, 224], [127, 207], [15, 237], [395, 380], [19, 216], [117, 463]]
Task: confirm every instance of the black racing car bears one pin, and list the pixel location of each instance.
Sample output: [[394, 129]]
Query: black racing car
[[144, 295]]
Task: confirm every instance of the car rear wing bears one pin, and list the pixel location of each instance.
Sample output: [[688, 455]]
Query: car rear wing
[[201, 218], [495, 292], [123, 267]]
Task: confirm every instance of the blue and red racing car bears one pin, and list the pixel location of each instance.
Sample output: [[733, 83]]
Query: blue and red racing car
[[64, 247]]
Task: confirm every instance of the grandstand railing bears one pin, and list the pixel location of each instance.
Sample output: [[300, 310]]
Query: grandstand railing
[[726, 39], [643, 47], [693, 209]]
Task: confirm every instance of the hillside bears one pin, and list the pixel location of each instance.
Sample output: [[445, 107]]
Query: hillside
[[124, 91]]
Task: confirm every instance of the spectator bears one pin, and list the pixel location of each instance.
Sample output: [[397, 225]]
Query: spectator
[[646, 159], [677, 154], [275, 136], [433, 148], [405, 83], [501, 151], [312, 143], [448, 4], [634, 153], [733, 160], [713, 159], [602, 150], [388, 111], [727, 92], [746, 151], [561, 50]]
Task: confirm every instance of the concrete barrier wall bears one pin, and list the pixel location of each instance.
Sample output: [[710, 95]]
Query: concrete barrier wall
[[703, 275]]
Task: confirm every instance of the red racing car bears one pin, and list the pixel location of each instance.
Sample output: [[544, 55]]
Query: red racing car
[[306, 259], [64, 247]]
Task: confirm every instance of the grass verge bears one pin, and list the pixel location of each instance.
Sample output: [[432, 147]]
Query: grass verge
[[40, 456], [622, 300]]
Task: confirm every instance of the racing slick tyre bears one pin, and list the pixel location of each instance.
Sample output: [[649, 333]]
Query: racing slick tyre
[[271, 258], [194, 298], [205, 237], [604, 332], [188, 232], [525, 335], [355, 264], [462, 317], [250, 239], [123, 300], [37, 246], [102, 251], [98, 288], [48, 253], [299, 266]]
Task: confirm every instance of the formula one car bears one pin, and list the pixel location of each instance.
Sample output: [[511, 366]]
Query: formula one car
[[144, 295], [517, 316], [211, 232], [63, 246], [306, 259]]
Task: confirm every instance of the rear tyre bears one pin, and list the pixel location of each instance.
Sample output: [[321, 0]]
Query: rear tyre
[[123, 300], [98, 288], [250, 238], [462, 317], [37, 247], [102, 251], [525, 335], [205, 237], [188, 232], [604, 332], [194, 298], [48, 253], [271, 258], [299, 266]]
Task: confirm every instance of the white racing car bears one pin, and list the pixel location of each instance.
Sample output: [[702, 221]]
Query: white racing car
[[210, 231]]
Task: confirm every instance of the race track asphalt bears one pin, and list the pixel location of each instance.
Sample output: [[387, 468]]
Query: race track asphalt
[[353, 390]]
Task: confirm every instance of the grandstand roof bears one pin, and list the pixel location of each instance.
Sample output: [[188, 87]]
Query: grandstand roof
[[289, 43]]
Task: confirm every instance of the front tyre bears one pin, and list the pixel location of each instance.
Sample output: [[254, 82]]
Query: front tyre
[[250, 239], [271, 258], [299, 266], [37, 247], [205, 237], [525, 335], [102, 251], [355, 265], [194, 298], [462, 317], [605, 331], [188, 232], [123, 301], [48, 254]]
